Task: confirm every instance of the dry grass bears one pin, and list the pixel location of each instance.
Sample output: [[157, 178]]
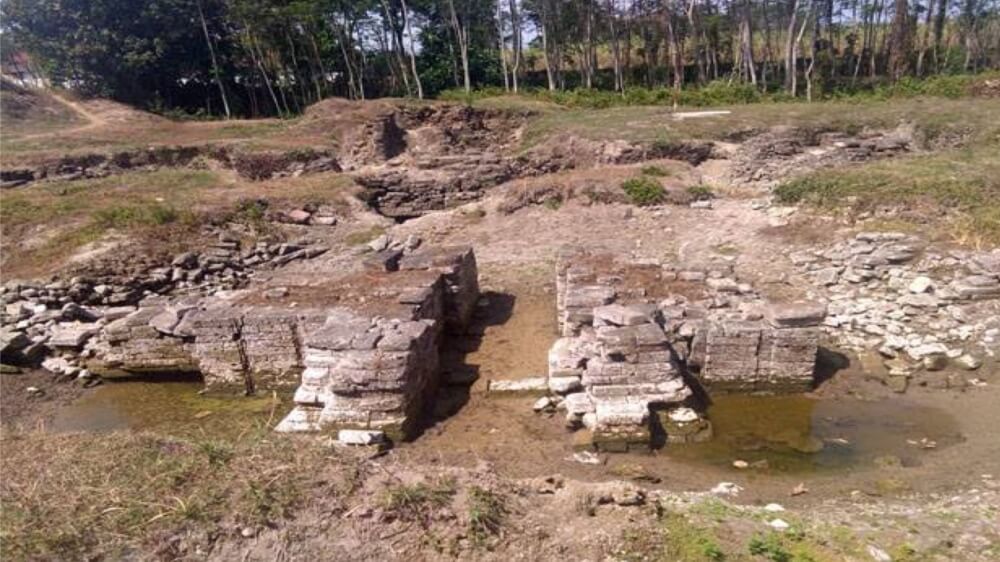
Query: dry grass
[[44, 224], [102, 496], [961, 185]]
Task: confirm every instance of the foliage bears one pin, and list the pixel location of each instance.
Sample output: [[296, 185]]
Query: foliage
[[643, 190]]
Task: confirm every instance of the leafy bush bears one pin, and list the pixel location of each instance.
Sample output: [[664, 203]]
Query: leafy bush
[[643, 190]]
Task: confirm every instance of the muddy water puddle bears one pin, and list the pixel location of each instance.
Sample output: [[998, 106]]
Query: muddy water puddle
[[170, 406], [801, 434]]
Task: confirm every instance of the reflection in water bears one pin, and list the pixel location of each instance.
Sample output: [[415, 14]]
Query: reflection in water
[[797, 433], [173, 407], [781, 433]]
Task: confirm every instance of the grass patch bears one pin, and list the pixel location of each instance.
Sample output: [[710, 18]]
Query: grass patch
[[414, 498], [487, 511], [700, 192], [643, 190], [99, 496], [966, 181], [655, 171], [360, 237], [686, 542], [789, 546]]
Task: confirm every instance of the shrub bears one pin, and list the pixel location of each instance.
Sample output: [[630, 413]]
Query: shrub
[[643, 190]]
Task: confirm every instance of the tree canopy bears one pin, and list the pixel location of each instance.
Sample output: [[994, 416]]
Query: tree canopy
[[257, 57]]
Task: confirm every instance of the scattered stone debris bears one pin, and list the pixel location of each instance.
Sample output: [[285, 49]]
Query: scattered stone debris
[[921, 309], [60, 319], [776, 154]]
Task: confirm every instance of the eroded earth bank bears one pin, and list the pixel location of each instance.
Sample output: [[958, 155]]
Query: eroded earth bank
[[425, 331]]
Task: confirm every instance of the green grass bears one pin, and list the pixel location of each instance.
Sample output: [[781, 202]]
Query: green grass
[[643, 190], [686, 542], [722, 92], [655, 171], [413, 498], [487, 511], [965, 182], [936, 119]]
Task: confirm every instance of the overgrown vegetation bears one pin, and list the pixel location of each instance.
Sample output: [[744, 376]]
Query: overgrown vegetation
[[643, 190]]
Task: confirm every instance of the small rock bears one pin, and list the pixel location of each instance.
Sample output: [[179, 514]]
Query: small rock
[[779, 524], [361, 437], [774, 507], [726, 489], [741, 464], [543, 404], [379, 244], [921, 284], [969, 362], [800, 489], [585, 457]]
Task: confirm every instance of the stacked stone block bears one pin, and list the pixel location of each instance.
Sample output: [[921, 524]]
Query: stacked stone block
[[457, 265], [624, 353], [133, 345], [776, 354], [366, 373]]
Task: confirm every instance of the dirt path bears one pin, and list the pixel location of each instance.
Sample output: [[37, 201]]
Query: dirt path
[[94, 120]]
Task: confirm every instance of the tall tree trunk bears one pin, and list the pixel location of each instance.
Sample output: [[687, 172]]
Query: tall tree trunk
[[515, 29], [215, 63], [502, 45], [939, 20], [413, 56], [397, 48], [899, 43], [461, 36], [925, 38], [790, 53], [545, 28], [676, 54], [615, 48]]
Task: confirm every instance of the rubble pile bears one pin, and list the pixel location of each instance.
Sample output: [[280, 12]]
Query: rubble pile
[[60, 317], [636, 334], [918, 307], [251, 165], [781, 152]]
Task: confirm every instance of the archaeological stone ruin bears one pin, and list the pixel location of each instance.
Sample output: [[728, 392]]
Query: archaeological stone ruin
[[640, 342], [364, 348]]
